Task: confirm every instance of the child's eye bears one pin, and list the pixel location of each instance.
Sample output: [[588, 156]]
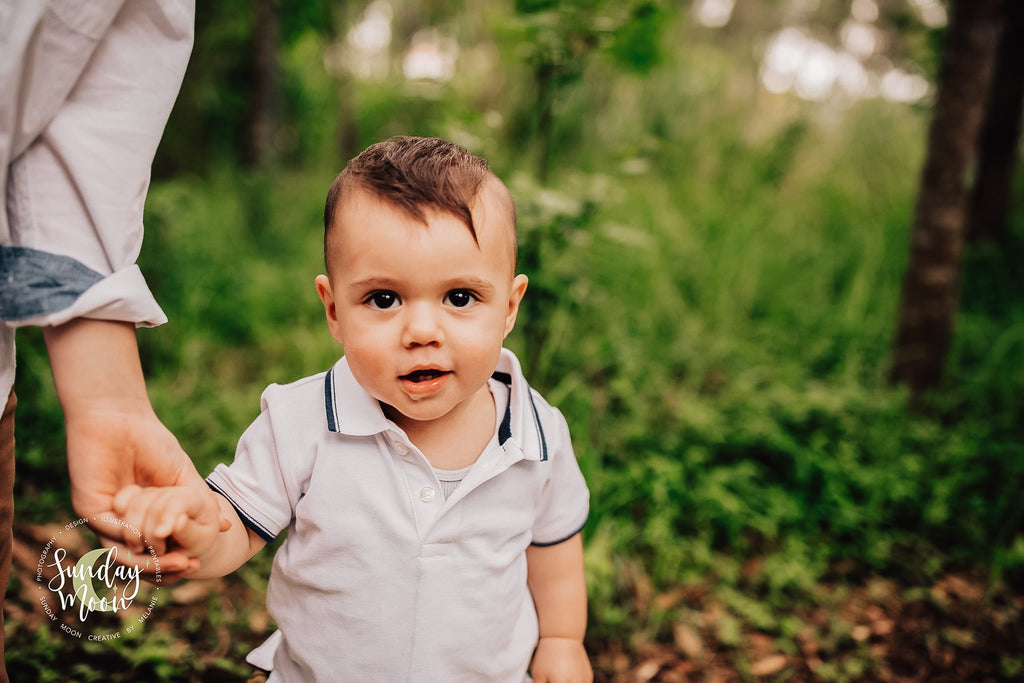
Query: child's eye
[[460, 298], [382, 300]]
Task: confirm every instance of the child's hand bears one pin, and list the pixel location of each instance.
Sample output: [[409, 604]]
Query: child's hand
[[561, 660], [183, 521]]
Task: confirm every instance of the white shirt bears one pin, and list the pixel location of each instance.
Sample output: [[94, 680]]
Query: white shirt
[[380, 578], [85, 91]]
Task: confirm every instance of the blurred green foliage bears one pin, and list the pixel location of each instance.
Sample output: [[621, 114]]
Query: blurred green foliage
[[714, 276]]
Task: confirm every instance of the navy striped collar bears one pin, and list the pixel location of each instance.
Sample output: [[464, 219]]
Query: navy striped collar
[[350, 410]]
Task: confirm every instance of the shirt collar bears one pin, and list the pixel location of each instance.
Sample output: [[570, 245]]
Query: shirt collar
[[521, 423], [350, 410]]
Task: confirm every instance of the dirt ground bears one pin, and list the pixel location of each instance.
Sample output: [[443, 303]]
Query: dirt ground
[[958, 629], [955, 631]]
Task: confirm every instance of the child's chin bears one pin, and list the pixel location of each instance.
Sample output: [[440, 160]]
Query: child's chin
[[418, 410]]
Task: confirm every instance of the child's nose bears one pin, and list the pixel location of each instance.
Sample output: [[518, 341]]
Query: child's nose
[[422, 326]]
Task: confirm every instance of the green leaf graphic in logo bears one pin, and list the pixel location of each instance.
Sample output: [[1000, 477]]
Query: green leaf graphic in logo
[[83, 582]]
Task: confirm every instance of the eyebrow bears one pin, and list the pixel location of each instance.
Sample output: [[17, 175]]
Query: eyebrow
[[474, 283], [469, 282], [373, 283]]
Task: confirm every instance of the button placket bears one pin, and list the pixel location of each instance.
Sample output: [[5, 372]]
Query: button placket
[[401, 448]]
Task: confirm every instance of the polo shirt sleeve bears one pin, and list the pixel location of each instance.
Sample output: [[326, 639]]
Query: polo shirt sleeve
[[565, 500], [260, 483]]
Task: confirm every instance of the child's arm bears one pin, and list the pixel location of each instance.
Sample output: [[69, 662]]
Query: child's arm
[[556, 580], [193, 523], [231, 549]]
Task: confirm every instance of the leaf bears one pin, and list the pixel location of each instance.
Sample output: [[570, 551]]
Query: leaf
[[772, 664], [689, 641], [193, 592]]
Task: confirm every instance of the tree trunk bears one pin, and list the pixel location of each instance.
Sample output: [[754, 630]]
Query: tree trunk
[[1000, 133], [261, 123], [346, 126], [929, 301], [544, 77]]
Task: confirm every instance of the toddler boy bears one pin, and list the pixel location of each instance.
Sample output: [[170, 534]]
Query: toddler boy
[[432, 499]]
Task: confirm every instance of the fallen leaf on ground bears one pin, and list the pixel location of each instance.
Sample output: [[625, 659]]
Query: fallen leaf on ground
[[772, 664]]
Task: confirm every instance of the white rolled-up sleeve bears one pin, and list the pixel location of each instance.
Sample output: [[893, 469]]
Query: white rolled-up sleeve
[[81, 158]]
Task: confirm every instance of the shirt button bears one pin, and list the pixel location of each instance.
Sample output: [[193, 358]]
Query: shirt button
[[427, 494], [401, 448]]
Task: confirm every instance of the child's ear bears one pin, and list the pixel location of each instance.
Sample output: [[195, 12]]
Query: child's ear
[[323, 289], [515, 297]]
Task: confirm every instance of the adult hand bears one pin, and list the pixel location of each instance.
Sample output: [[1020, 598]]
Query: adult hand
[[110, 449], [114, 438]]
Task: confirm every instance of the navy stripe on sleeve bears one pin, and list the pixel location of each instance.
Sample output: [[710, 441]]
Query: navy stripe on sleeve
[[256, 527], [561, 540]]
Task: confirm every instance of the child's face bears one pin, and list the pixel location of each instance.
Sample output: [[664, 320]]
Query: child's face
[[421, 311]]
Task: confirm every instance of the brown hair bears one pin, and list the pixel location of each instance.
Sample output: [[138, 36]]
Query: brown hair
[[414, 174]]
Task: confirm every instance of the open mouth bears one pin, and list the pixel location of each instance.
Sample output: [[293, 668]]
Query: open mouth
[[425, 382], [423, 375]]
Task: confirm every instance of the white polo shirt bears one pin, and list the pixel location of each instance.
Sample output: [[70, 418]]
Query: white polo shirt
[[380, 577]]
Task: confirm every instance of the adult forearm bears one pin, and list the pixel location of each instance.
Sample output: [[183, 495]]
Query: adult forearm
[[114, 438], [96, 366]]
